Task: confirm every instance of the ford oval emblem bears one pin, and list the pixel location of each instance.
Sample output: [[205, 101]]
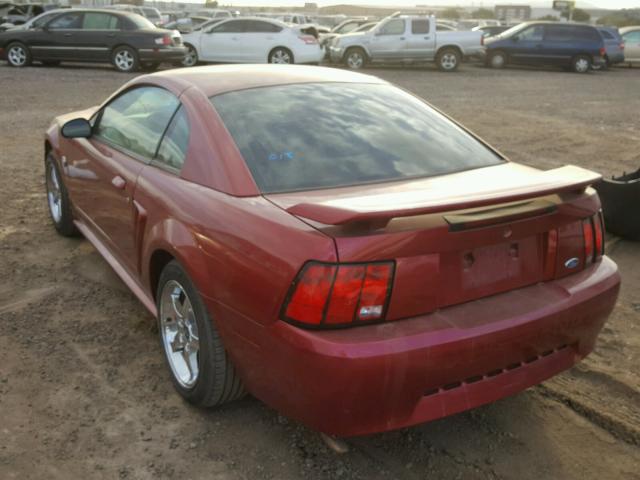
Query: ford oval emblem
[[572, 262]]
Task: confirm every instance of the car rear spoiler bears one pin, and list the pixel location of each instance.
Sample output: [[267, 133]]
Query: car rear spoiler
[[342, 211]]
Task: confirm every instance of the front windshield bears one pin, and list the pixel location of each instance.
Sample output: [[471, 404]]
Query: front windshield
[[324, 135], [512, 30]]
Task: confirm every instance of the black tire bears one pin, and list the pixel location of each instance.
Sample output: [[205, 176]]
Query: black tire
[[497, 59], [217, 381], [581, 64], [355, 58], [191, 58], [62, 217], [448, 59], [281, 55], [151, 66], [50, 63], [125, 59], [18, 55]]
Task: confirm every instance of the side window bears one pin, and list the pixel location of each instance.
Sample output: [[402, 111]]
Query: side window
[[393, 27], [233, 26], [99, 21], [137, 119], [67, 21], [174, 144], [419, 27], [606, 35], [256, 26], [557, 34], [632, 37], [532, 34]]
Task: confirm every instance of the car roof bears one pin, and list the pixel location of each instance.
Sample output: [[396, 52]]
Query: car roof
[[218, 79], [632, 28]]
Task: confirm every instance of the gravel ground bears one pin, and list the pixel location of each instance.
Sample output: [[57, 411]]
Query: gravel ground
[[83, 389]]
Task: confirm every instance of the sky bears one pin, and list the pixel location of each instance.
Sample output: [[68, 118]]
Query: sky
[[478, 3]]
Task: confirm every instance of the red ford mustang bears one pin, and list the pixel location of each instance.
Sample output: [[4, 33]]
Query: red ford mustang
[[331, 243]]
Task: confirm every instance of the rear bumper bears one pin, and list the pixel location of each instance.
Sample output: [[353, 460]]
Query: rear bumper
[[376, 378], [309, 54], [169, 54]]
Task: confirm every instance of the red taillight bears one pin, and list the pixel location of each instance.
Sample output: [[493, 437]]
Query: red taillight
[[593, 230], [338, 295], [598, 228], [164, 40], [308, 39], [622, 46], [587, 230], [603, 52]]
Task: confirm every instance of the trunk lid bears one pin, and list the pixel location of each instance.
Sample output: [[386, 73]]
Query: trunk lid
[[458, 237]]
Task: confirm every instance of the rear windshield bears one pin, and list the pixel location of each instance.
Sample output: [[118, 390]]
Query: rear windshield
[[309, 136]]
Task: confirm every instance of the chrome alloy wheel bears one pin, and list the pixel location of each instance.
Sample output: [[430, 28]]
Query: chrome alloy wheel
[[582, 65], [191, 58], [179, 332], [17, 56], [355, 60], [281, 56], [449, 61], [54, 193], [497, 60], [124, 60]]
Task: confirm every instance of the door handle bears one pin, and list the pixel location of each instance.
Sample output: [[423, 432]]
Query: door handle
[[68, 34], [111, 35], [118, 182]]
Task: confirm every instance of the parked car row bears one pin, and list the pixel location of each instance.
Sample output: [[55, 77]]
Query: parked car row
[[131, 41]]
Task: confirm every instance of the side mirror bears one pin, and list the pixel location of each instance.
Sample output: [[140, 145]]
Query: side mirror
[[77, 128]]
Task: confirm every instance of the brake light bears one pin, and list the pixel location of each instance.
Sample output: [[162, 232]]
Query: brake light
[[622, 46], [598, 228], [165, 40], [339, 294], [308, 39], [587, 231], [593, 230], [603, 51]]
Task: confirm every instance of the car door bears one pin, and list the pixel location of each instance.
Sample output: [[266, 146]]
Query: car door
[[526, 47], [126, 135], [632, 46], [421, 41], [389, 41], [257, 40], [98, 32], [59, 41], [221, 42]]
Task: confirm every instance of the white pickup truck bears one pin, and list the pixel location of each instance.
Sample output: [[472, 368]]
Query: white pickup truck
[[405, 39]]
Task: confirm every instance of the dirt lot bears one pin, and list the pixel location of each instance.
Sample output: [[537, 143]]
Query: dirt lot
[[83, 389]]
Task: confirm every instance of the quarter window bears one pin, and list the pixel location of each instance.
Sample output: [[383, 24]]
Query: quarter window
[[137, 119], [99, 21], [393, 27], [174, 144]]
